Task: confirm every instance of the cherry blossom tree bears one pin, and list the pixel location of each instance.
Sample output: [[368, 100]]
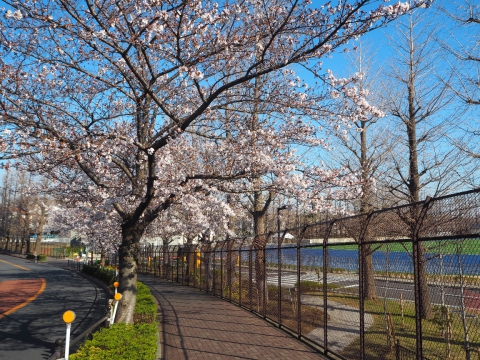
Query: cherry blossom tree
[[107, 97], [99, 228]]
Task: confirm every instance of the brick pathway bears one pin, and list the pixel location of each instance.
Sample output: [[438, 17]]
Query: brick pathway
[[198, 326]]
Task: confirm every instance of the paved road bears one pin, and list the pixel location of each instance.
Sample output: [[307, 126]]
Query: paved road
[[29, 332], [449, 294]]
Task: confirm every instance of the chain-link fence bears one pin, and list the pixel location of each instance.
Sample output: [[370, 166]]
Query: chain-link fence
[[418, 292]]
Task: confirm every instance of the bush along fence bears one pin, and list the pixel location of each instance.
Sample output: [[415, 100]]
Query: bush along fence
[[399, 283]]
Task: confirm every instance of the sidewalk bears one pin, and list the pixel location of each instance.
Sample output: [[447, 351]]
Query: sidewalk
[[199, 326]]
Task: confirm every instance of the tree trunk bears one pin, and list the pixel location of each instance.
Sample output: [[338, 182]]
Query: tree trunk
[[260, 277], [23, 245], [370, 291], [189, 248], [414, 192], [231, 258], [423, 286], [41, 224], [29, 245], [129, 254], [414, 180], [102, 257], [369, 288], [165, 262], [230, 267], [259, 246], [207, 252]]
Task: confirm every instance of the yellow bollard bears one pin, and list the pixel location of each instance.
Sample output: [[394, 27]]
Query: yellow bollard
[[68, 317], [117, 298]]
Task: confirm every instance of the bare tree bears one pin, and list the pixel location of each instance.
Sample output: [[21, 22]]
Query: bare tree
[[365, 146], [462, 54], [424, 107], [462, 43], [420, 103]]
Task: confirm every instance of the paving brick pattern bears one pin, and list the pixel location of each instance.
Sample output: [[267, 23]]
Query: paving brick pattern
[[198, 326]]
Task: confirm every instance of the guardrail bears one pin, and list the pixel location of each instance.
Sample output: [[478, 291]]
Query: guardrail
[[75, 264], [79, 340]]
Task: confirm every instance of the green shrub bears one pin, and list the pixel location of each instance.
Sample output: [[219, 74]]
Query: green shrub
[[42, 257], [121, 341], [145, 306], [106, 275]]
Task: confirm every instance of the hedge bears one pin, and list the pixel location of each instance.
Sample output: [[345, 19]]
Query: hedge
[[41, 257], [145, 306], [104, 274], [121, 341], [126, 341]]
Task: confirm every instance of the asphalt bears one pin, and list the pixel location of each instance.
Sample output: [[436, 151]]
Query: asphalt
[[30, 331], [193, 325]]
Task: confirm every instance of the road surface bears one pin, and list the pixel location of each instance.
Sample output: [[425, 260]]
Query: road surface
[[33, 298]]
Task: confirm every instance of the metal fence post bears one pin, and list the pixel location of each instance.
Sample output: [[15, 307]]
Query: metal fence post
[[174, 269], [222, 285], [214, 281], [181, 254], [361, 292], [240, 272], [325, 280], [299, 293], [279, 270], [299, 290], [202, 264], [361, 278], [265, 283], [416, 275], [194, 270], [250, 275]]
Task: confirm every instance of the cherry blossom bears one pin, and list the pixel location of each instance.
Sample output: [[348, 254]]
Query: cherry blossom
[[136, 107]]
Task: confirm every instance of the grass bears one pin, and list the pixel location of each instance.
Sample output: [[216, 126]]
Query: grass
[[312, 316], [433, 331]]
